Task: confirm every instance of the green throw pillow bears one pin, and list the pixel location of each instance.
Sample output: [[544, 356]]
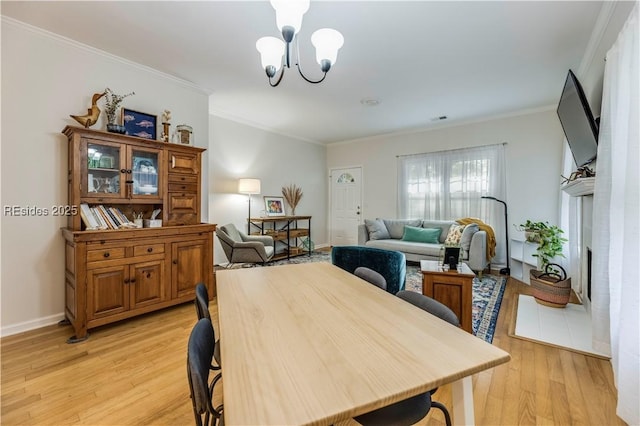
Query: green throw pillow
[[421, 235]]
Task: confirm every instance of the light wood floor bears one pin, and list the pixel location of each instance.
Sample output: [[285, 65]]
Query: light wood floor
[[134, 373]]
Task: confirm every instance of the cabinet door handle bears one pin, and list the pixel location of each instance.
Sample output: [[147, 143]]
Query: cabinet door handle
[[133, 280], [126, 281], [106, 254], [123, 170], [175, 262], [150, 249], [148, 274]]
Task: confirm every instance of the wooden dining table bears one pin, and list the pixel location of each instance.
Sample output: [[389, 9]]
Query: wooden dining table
[[314, 344]]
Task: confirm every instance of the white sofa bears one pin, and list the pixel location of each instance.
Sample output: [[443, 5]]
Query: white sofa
[[387, 234]]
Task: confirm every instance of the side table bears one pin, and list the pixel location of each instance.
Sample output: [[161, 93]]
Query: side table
[[452, 288]]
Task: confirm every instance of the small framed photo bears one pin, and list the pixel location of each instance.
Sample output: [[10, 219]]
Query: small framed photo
[[274, 206], [184, 134], [139, 124], [451, 257]]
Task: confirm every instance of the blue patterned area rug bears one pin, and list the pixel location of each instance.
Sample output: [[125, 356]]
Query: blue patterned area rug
[[486, 300], [487, 292]]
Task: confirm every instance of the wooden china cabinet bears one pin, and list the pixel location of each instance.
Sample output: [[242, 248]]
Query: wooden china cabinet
[[114, 274]]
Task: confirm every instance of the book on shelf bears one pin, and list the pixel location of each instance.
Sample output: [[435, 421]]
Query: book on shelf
[[103, 211], [89, 220], [100, 217]]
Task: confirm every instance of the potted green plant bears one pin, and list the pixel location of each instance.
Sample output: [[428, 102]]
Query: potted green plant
[[550, 283], [548, 237]]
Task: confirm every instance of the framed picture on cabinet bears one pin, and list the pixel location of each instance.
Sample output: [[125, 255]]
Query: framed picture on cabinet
[[184, 134], [274, 206], [139, 124], [451, 256]]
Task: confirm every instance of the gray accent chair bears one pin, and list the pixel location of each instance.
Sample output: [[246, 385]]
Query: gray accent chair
[[371, 276], [242, 248]]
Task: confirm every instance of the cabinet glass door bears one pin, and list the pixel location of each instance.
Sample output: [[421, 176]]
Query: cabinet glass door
[[145, 172], [103, 169]]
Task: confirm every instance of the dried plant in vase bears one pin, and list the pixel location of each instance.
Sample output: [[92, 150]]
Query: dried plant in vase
[[293, 195], [111, 106]]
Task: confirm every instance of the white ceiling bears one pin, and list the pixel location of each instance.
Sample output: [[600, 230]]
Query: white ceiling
[[421, 59]]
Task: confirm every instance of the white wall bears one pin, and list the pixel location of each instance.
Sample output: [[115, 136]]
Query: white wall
[[245, 151], [44, 79], [533, 156], [579, 211]]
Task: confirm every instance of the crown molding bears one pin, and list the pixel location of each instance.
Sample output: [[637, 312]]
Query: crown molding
[[441, 126], [240, 120], [606, 11], [81, 46]]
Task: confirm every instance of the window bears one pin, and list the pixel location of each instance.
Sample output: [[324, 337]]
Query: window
[[448, 185]]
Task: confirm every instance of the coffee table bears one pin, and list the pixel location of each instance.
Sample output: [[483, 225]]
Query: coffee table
[[452, 288]]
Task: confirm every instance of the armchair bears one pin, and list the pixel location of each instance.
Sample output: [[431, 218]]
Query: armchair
[[242, 248]]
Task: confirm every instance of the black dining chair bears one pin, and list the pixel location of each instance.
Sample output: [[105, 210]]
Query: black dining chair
[[412, 410], [199, 357], [202, 309]]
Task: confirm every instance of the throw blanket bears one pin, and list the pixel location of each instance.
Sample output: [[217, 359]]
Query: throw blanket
[[491, 236]]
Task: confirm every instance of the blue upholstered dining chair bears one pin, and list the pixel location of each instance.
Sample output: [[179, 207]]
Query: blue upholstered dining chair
[[392, 265]]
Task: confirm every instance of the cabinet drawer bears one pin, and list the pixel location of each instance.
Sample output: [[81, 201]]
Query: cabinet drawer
[[187, 187], [298, 232], [105, 254], [146, 249], [183, 178], [183, 202], [178, 219], [182, 162]]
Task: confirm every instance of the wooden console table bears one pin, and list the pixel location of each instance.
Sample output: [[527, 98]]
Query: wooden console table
[[452, 288], [285, 232]]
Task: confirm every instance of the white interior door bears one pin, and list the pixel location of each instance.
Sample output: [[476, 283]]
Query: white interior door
[[346, 205]]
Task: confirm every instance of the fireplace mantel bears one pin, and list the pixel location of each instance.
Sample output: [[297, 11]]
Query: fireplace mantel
[[580, 187]]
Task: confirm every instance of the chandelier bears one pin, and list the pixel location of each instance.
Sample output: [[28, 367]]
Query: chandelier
[[289, 13]]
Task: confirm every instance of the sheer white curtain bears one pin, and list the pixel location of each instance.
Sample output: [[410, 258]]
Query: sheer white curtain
[[448, 185], [615, 308]]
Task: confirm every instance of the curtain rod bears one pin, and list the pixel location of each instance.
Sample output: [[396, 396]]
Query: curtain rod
[[449, 150]]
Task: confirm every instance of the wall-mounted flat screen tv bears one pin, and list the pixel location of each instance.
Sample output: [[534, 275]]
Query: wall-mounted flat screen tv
[[577, 122]]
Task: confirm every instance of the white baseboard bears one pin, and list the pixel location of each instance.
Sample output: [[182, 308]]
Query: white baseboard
[[21, 327]]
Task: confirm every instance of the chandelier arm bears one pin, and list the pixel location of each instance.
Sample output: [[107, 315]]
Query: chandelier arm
[[310, 81], [300, 68], [279, 78]]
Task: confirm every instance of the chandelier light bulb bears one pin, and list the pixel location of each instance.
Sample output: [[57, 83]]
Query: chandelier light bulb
[[271, 50], [327, 41], [289, 13]]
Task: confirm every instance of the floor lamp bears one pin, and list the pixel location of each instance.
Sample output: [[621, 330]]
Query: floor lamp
[[249, 186], [507, 270]]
